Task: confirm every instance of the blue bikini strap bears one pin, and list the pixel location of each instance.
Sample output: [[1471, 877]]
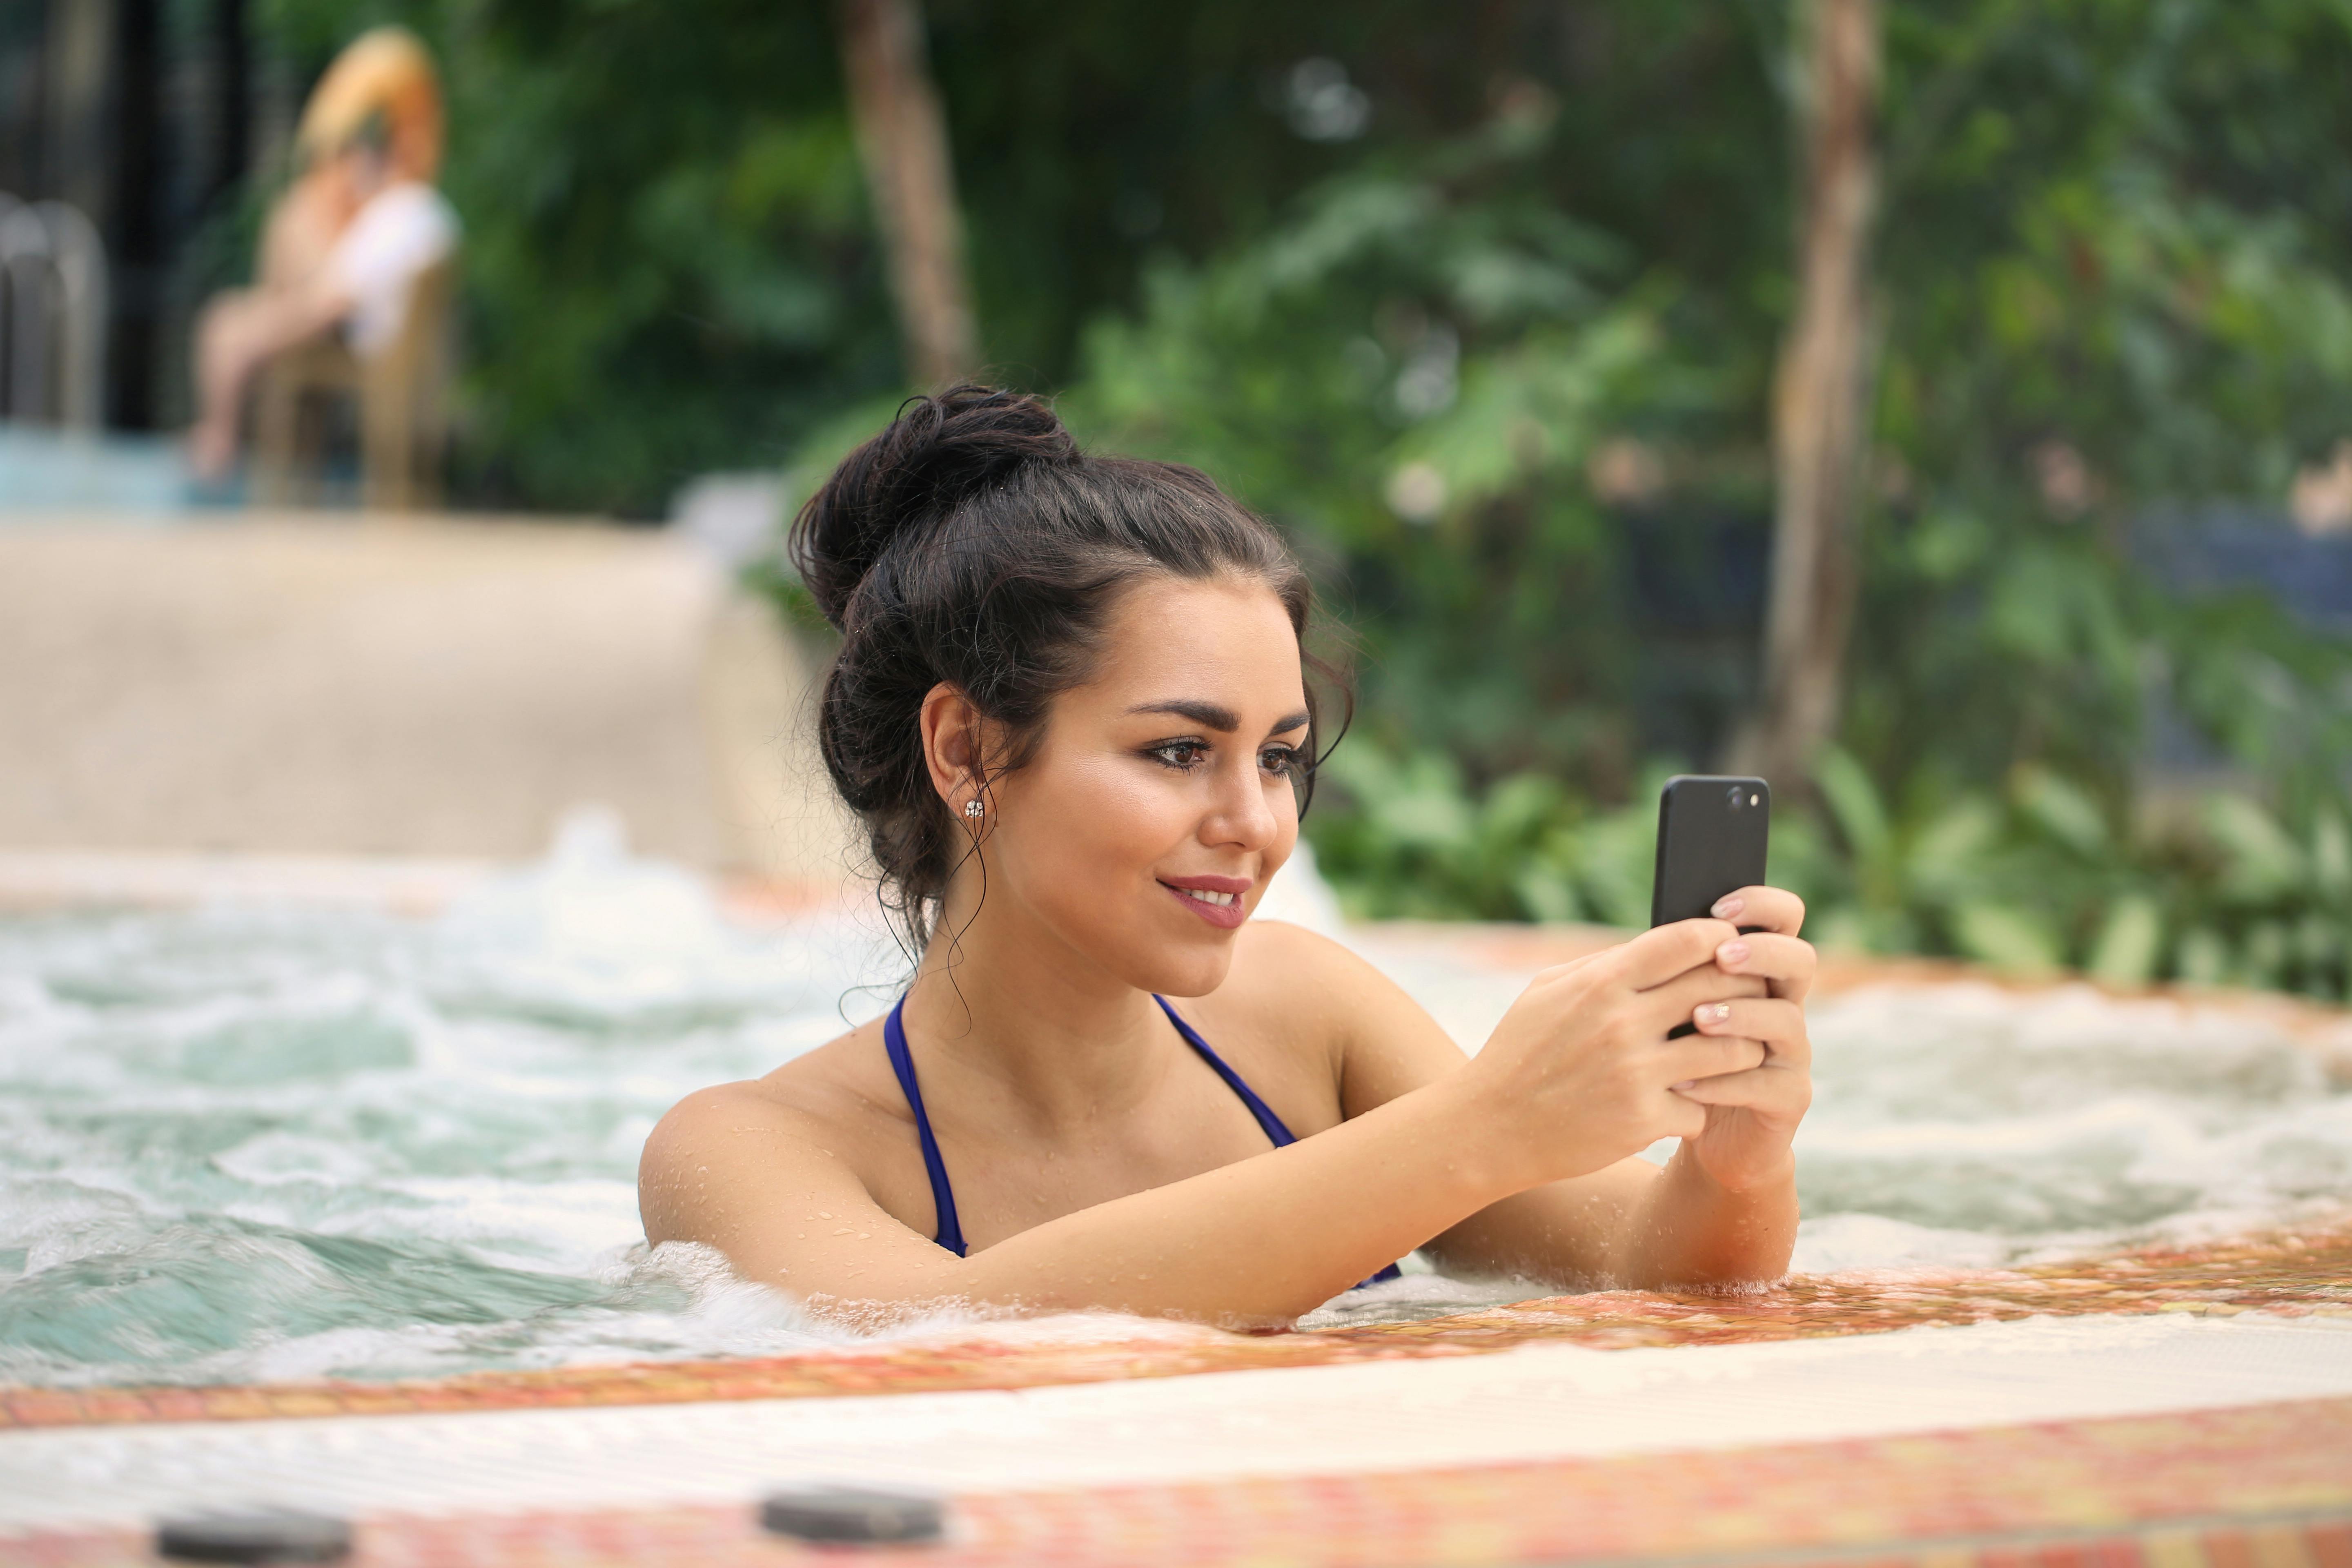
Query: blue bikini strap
[[1258, 1108], [894, 1041]]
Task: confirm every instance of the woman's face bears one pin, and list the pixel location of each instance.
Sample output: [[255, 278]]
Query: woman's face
[[1159, 799]]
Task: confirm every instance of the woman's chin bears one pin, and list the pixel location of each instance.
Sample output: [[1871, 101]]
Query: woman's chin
[[1195, 965], [1186, 963], [1181, 956]]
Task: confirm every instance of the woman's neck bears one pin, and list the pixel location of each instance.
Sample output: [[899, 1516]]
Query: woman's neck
[[1001, 1001]]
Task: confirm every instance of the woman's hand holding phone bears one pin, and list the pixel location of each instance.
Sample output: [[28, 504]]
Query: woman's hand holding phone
[[1581, 1069], [1751, 1113], [1585, 1075]]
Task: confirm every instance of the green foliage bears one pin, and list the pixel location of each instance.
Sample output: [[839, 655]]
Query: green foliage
[[1416, 844], [1486, 362], [667, 265], [1408, 374], [2028, 879], [2107, 285]]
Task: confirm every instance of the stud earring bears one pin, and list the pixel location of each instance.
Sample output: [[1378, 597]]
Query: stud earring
[[973, 810]]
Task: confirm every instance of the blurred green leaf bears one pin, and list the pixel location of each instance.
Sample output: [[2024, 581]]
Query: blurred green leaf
[[2262, 861], [2007, 938], [1547, 895], [2130, 943], [1945, 544], [2331, 853], [2263, 960], [2204, 956], [2061, 810], [1842, 930], [1854, 800], [1948, 853]]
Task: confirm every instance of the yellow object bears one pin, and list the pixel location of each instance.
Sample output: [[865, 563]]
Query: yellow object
[[384, 70]]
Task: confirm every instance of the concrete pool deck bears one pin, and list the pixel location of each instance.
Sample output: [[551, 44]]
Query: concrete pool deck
[[2176, 1443], [2180, 1408], [2257, 1488], [2252, 1487]]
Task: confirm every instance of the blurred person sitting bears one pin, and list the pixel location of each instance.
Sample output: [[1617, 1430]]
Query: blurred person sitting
[[344, 244]]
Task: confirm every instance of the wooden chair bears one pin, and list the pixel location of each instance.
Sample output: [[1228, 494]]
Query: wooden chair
[[402, 397]]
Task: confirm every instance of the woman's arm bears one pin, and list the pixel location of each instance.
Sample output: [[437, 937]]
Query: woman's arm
[[1579, 1076], [1723, 1210]]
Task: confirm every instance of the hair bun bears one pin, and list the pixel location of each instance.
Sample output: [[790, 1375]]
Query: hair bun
[[937, 452]]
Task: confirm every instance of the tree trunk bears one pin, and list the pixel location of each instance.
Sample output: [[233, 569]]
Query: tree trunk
[[1818, 401], [902, 138]]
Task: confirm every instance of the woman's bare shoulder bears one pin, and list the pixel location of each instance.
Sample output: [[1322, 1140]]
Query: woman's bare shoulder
[[1288, 965], [816, 1125], [1337, 1004], [1319, 1007], [827, 1098]]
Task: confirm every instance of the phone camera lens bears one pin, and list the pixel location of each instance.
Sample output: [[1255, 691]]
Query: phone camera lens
[[1736, 796]]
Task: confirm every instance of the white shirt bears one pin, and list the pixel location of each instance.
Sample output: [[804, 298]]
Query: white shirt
[[403, 229]]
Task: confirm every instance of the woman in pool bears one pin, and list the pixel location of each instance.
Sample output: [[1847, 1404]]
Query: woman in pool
[[1070, 709]]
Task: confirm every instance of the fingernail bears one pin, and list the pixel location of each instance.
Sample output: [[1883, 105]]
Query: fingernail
[[1685, 1085], [1727, 906], [1713, 1012], [1732, 953]]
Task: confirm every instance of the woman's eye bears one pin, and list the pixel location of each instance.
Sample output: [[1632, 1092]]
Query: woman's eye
[[1181, 754], [1281, 761]]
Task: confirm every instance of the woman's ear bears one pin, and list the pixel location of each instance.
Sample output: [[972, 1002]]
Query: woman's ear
[[953, 743]]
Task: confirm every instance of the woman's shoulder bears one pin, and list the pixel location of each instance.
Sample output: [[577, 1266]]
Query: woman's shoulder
[[1322, 1003], [1274, 956], [1310, 1000], [822, 1097]]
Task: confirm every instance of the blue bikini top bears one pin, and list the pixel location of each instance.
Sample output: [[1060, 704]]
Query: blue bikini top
[[951, 1231]]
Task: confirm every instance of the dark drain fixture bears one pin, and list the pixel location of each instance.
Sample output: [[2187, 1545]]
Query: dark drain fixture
[[853, 1514], [256, 1535]]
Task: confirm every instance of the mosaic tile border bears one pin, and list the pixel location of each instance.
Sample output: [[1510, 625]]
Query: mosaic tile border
[[2296, 1275], [2255, 1487]]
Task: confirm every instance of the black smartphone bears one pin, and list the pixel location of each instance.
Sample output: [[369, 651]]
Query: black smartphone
[[1712, 837]]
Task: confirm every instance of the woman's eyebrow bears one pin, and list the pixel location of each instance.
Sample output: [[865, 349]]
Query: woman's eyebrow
[[1215, 716], [1208, 714]]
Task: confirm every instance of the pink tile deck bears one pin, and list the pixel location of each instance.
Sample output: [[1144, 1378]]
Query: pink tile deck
[[2256, 1486], [2305, 1274]]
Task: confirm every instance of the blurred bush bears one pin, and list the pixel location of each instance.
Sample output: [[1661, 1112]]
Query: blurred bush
[[2107, 281], [667, 264], [670, 264], [1483, 307]]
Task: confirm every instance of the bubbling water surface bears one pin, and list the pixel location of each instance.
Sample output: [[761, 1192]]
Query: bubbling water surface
[[243, 1144]]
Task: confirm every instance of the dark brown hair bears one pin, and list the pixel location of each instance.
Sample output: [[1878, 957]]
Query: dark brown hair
[[972, 543]]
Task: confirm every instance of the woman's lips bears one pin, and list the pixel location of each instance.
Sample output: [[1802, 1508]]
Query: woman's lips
[[1216, 900]]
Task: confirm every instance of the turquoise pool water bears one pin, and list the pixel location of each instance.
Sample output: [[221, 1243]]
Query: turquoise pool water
[[241, 1144]]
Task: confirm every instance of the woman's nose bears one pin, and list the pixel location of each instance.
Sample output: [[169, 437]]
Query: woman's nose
[[1242, 815]]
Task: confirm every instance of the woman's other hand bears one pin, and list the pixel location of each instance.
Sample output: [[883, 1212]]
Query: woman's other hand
[[1751, 1115], [1580, 1073]]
